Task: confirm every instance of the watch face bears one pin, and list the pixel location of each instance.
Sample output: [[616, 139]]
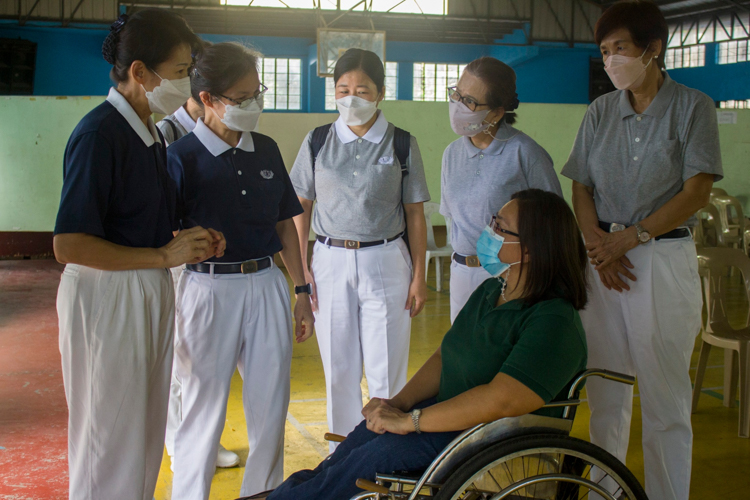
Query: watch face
[[644, 237]]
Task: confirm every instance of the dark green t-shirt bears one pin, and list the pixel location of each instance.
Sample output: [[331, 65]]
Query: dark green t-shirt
[[543, 346]]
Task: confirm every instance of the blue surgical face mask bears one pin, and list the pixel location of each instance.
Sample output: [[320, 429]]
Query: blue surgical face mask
[[488, 246]]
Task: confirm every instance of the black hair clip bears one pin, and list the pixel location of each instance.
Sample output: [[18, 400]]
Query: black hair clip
[[117, 25], [514, 103]]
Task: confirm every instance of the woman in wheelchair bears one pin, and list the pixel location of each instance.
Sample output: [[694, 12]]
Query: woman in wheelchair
[[515, 346]]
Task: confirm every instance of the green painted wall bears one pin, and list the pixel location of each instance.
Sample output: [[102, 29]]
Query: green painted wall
[[34, 131]]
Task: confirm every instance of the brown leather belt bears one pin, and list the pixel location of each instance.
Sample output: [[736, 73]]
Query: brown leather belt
[[355, 245], [467, 260], [247, 267]]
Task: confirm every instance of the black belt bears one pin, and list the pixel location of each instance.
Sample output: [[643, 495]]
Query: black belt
[[247, 267], [467, 260], [680, 232], [354, 245]]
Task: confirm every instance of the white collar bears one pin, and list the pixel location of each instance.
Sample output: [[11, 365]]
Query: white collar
[[374, 135], [215, 145], [148, 135], [185, 119]]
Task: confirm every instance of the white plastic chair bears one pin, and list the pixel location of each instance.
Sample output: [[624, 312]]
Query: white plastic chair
[[717, 331], [708, 231], [732, 220], [433, 251]]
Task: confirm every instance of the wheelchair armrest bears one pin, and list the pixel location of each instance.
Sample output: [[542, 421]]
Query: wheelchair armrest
[[334, 438]]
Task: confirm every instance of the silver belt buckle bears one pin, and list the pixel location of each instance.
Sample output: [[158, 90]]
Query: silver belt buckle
[[249, 267], [616, 228]]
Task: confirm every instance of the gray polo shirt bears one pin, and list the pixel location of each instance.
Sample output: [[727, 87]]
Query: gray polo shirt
[[183, 125], [637, 163], [357, 184], [476, 183]]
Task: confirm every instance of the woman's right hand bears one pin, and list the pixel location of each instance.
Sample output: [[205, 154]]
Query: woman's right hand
[[611, 278], [191, 246], [309, 278]]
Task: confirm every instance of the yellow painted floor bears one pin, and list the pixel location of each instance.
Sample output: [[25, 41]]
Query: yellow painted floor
[[721, 460]]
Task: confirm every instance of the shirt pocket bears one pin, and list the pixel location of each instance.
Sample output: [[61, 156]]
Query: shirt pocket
[[662, 165], [383, 183], [271, 193]]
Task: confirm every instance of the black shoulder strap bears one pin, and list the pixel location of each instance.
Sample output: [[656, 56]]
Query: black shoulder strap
[[175, 132], [402, 145], [319, 136]]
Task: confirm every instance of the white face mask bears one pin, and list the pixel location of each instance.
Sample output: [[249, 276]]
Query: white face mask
[[242, 117], [169, 95], [356, 111]]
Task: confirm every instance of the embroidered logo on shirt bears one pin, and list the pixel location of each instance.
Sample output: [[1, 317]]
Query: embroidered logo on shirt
[[385, 160], [266, 174]]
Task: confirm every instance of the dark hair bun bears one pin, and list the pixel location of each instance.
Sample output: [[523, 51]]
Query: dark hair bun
[[109, 47], [513, 104]]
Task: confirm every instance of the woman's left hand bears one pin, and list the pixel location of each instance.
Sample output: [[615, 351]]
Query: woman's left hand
[[219, 244], [417, 296], [303, 318], [611, 247], [386, 418]]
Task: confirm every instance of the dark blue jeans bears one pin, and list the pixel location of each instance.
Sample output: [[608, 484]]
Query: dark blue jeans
[[362, 455]]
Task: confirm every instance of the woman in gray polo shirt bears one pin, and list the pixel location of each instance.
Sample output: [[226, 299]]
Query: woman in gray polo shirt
[[485, 167], [643, 163], [366, 292]]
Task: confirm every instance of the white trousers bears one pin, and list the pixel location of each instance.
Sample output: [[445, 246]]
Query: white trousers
[[116, 344], [361, 318], [174, 415], [648, 332], [228, 321], [464, 281]]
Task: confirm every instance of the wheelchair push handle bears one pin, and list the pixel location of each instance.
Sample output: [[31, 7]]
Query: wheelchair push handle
[[596, 372]]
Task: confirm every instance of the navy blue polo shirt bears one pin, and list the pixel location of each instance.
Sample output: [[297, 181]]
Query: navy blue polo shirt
[[115, 181], [242, 192]]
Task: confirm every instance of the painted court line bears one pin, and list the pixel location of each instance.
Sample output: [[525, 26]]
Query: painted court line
[[306, 434]]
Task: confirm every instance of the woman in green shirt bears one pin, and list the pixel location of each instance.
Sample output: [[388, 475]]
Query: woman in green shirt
[[515, 346]]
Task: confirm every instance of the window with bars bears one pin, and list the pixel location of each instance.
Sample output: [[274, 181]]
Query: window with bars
[[686, 57], [741, 104], [733, 51], [431, 80], [283, 77], [391, 86]]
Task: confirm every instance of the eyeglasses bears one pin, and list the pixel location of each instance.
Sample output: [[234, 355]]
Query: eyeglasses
[[258, 97], [469, 102], [495, 227]]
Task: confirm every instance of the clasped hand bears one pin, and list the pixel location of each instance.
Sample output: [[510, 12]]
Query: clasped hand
[[607, 253], [382, 417]]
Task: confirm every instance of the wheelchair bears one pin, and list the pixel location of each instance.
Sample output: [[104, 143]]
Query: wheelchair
[[519, 458], [531, 457]]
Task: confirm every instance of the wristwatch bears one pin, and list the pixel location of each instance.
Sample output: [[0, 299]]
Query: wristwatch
[[415, 414], [303, 289], [643, 235]]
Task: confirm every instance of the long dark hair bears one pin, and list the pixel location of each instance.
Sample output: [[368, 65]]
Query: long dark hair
[[219, 66], [367, 61], [549, 234], [149, 36], [500, 80]]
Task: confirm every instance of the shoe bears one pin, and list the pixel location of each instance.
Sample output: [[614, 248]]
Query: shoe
[[226, 458]]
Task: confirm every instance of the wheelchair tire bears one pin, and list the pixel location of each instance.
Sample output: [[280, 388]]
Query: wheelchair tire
[[541, 466]]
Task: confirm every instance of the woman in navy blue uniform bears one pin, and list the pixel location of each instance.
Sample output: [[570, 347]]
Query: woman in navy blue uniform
[[114, 233], [234, 310]]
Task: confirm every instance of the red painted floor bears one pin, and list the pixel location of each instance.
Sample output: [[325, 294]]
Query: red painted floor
[[33, 412]]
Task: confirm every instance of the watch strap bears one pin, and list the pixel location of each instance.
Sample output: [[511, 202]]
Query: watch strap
[[303, 289], [415, 414]]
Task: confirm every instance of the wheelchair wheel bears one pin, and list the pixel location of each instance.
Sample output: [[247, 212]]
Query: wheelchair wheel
[[542, 467]]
